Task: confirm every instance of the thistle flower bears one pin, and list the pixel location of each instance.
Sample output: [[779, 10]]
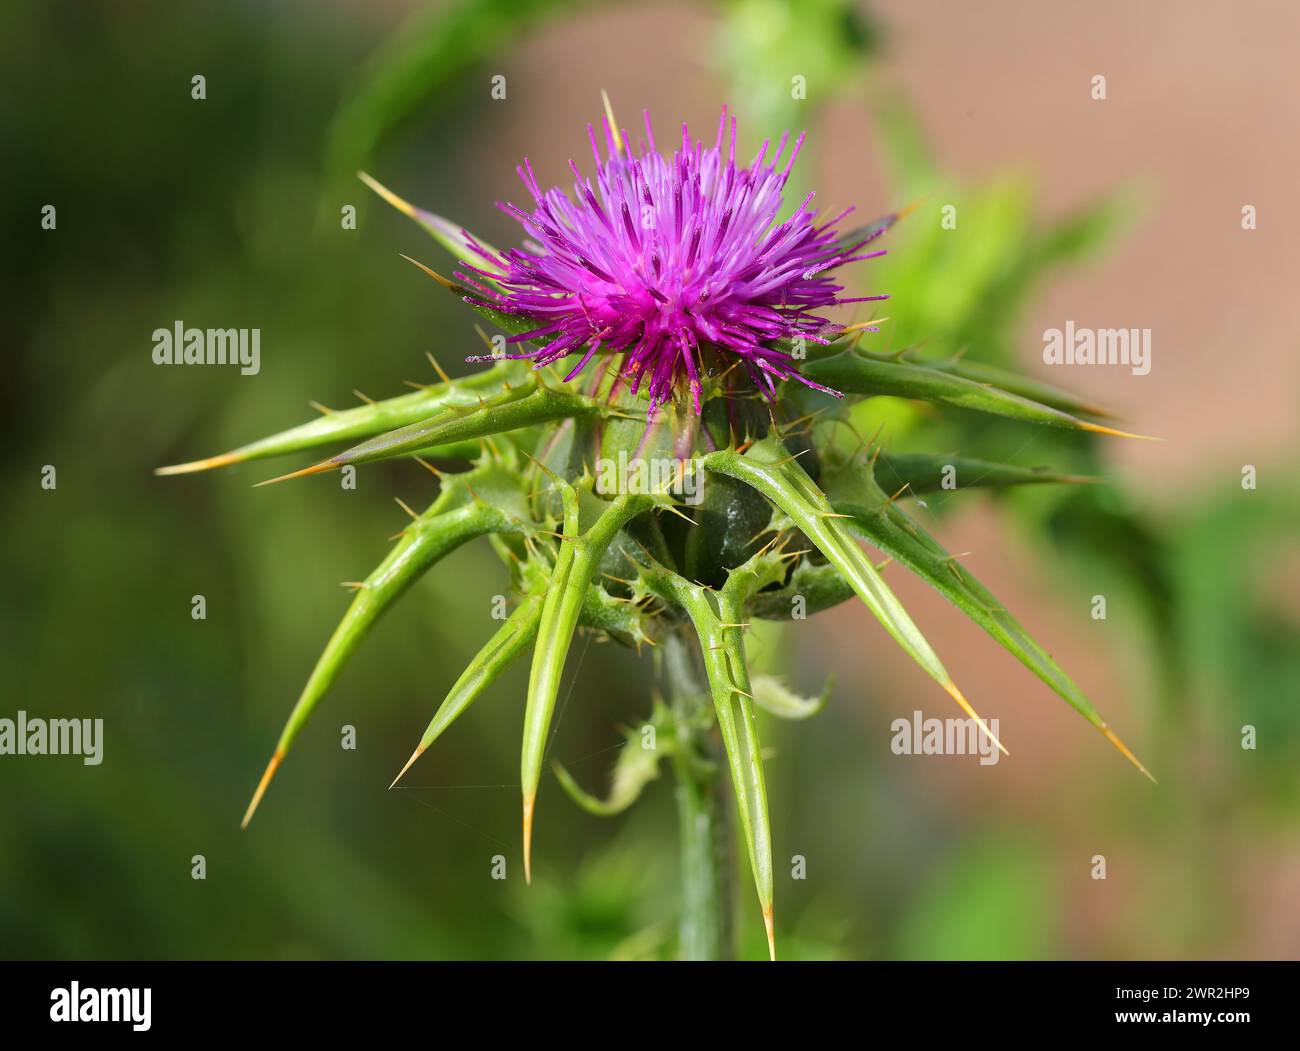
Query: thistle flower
[[677, 270], [676, 262]]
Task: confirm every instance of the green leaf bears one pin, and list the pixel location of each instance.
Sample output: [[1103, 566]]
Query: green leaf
[[450, 235], [925, 473], [862, 372], [511, 409], [366, 420], [506, 644], [812, 587], [880, 521], [617, 617], [635, 768], [1011, 382], [770, 469], [456, 517], [772, 695], [871, 231], [515, 324], [719, 633], [575, 569]]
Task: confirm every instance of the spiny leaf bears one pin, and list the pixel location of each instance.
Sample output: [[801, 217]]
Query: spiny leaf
[[741, 583], [883, 523], [874, 230], [575, 568], [772, 695], [769, 468], [617, 617], [365, 420], [812, 587], [454, 518], [508, 642], [635, 768], [861, 372], [515, 323], [925, 473], [724, 664], [451, 236], [1011, 382], [509, 410]]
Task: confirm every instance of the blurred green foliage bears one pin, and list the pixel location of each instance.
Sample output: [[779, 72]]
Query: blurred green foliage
[[224, 212]]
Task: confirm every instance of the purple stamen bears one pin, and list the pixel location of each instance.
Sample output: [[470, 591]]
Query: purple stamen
[[676, 263]]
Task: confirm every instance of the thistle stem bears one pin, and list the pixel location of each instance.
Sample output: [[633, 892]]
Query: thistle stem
[[705, 927]]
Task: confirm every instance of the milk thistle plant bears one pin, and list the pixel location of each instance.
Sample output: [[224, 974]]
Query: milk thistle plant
[[664, 313]]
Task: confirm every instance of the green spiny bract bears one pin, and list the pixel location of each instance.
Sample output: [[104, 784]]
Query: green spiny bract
[[775, 535]]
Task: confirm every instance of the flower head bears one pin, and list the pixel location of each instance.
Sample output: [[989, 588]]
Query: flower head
[[675, 262]]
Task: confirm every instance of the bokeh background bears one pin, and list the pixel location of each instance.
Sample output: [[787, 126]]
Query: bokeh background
[[225, 212]]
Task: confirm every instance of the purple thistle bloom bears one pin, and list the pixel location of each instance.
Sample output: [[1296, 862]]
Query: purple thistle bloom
[[674, 262]]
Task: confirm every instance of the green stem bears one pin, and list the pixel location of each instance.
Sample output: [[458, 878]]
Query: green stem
[[705, 929]]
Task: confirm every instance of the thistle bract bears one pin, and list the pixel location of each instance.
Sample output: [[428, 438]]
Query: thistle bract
[[674, 270]]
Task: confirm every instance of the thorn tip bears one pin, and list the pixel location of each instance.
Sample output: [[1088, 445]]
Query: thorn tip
[[529, 800], [409, 763], [445, 282], [269, 773], [1113, 738], [316, 468], [223, 460], [1101, 428], [956, 695]]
